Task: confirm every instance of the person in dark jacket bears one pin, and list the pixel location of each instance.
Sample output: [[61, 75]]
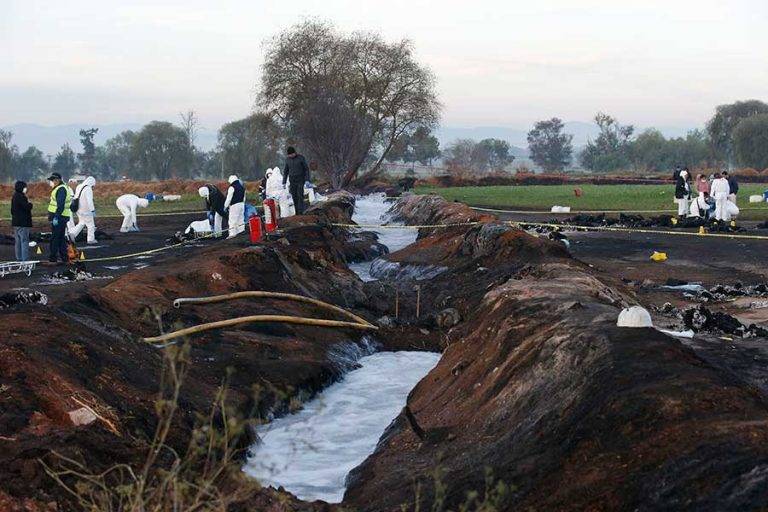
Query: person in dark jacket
[[297, 170], [733, 185], [21, 220], [58, 214], [682, 193], [214, 203]]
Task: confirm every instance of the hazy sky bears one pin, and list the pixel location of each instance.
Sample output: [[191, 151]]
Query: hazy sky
[[500, 62]]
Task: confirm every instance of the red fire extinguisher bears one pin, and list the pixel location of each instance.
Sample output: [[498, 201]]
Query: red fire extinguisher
[[270, 215], [255, 229]]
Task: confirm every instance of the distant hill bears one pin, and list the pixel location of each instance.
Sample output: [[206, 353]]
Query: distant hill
[[49, 139]]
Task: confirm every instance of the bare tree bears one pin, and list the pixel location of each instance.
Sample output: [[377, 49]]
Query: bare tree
[[189, 123], [376, 85], [335, 133]]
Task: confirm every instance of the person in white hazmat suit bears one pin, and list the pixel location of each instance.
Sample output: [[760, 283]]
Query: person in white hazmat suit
[[682, 193], [214, 203], [86, 211], [699, 206], [719, 191], [128, 204], [234, 204], [274, 183]]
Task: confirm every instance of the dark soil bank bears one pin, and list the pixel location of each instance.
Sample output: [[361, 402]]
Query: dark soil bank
[[536, 382], [539, 385]]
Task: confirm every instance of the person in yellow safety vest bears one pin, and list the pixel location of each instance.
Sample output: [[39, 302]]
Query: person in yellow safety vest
[[58, 214]]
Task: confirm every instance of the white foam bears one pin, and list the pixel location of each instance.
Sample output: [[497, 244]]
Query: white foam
[[310, 452], [372, 209]]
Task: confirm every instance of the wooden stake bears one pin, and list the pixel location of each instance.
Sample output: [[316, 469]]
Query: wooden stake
[[418, 300]]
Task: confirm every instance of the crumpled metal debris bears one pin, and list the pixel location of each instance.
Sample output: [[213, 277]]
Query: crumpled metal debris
[[700, 318], [11, 299]]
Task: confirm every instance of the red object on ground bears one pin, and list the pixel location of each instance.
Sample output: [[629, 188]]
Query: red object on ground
[[270, 215], [255, 229]]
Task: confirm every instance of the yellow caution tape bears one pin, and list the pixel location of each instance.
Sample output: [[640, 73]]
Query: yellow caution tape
[[397, 226], [153, 251], [563, 227], [158, 214], [542, 212]]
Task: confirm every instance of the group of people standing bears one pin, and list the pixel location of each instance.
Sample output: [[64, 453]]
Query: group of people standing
[[63, 203], [715, 196]]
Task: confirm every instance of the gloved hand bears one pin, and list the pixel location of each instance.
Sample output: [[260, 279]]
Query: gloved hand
[[55, 220], [308, 184]]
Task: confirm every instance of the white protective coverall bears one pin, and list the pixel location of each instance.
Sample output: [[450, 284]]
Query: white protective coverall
[[86, 211], [698, 204], [128, 204], [682, 203], [274, 183], [199, 226], [218, 220], [719, 191], [236, 222]]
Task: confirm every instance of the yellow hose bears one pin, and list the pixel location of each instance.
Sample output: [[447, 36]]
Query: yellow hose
[[271, 295], [359, 323]]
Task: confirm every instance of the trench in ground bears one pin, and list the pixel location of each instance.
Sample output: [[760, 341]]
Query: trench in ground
[[310, 453]]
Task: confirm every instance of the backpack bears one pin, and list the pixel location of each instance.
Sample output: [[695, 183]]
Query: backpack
[[75, 204]]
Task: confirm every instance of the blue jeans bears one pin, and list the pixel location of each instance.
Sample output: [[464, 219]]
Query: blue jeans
[[21, 237]]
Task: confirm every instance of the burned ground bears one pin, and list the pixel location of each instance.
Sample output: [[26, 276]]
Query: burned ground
[[572, 412], [536, 381]]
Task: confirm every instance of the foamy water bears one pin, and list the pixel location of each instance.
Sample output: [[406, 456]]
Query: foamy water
[[311, 452], [372, 209]]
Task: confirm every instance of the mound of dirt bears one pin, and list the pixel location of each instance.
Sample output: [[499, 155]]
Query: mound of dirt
[[570, 411], [84, 347]]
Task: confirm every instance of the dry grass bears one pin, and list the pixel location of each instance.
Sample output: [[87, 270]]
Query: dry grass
[[205, 476]]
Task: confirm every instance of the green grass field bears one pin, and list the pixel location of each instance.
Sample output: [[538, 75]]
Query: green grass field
[[595, 197]]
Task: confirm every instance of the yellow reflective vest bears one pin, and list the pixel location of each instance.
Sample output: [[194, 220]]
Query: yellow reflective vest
[[53, 205]]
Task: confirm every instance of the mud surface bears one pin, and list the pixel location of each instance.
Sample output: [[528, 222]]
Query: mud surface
[[571, 411], [535, 382], [83, 345]]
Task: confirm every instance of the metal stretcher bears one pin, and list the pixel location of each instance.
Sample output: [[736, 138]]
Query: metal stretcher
[[17, 267]]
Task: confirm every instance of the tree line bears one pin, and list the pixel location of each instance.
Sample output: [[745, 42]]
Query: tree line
[[350, 101]]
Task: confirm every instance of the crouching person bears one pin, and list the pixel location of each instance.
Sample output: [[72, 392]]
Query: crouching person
[[128, 204], [214, 203]]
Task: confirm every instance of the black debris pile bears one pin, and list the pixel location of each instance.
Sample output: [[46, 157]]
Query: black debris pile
[[8, 300], [550, 232], [700, 318], [724, 293], [76, 272], [638, 221], [180, 237]]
